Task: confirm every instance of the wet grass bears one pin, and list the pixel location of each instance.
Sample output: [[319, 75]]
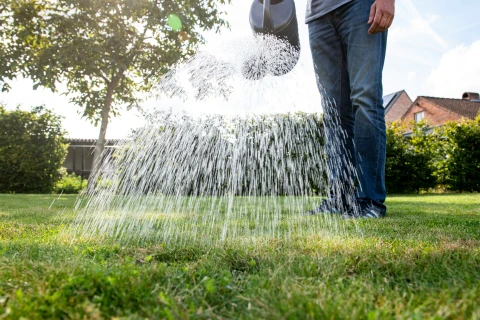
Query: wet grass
[[421, 262]]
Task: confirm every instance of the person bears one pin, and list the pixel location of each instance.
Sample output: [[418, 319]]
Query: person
[[348, 40]]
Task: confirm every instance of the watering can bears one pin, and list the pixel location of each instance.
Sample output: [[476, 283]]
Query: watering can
[[277, 18]]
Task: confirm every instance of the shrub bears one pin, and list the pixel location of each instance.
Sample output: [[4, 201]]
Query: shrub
[[441, 146], [396, 164], [463, 158], [70, 184], [32, 150], [410, 160], [448, 156], [421, 155], [279, 154]]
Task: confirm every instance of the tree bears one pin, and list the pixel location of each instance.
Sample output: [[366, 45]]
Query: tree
[[32, 150], [103, 53]]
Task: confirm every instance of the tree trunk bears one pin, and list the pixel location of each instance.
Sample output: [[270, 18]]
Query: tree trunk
[[100, 145]]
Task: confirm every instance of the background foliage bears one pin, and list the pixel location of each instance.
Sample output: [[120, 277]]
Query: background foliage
[[280, 154], [447, 157], [106, 55], [32, 150], [409, 166], [462, 159], [419, 159], [70, 184]]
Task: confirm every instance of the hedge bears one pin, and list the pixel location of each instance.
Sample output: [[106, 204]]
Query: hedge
[[462, 160], [32, 150], [447, 157], [216, 156], [292, 148]]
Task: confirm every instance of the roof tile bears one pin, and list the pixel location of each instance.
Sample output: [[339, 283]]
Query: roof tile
[[465, 108]]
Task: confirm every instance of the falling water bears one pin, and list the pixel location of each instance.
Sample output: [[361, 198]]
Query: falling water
[[213, 178]]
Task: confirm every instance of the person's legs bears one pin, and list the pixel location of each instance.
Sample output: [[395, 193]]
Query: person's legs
[[365, 56], [331, 70]]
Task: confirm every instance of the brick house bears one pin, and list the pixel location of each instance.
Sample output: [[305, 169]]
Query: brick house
[[396, 105], [438, 111]]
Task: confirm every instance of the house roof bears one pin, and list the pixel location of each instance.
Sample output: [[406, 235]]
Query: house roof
[[91, 142], [390, 99], [80, 140], [464, 108]]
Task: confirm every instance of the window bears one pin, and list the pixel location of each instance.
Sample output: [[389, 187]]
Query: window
[[419, 116]]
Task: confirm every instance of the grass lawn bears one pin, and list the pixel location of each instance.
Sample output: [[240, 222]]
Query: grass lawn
[[421, 262]]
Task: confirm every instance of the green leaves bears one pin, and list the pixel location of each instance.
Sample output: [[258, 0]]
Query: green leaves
[[462, 160], [209, 285], [105, 53], [70, 183], [409, 166], [89, 45], [32, 150], [447, 157]]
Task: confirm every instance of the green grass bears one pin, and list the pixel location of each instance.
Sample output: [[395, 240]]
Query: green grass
[[421, 262]]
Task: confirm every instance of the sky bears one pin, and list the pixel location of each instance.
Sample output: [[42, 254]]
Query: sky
[[433, 50]]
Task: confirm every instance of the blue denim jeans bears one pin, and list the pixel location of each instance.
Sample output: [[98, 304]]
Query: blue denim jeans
[[349, 64]]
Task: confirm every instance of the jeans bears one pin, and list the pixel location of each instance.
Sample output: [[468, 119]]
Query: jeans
[[349, 64]]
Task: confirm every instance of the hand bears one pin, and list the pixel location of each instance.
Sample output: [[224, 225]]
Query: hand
[[381, 15]]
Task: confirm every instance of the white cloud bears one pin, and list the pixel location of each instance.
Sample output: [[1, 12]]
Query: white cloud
[[412, 75], [418, 25], [457, 72]]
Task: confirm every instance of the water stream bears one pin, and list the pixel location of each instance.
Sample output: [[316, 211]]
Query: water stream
[[250, 172]]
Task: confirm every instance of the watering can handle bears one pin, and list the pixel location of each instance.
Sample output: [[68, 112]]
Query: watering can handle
[[267, 16]]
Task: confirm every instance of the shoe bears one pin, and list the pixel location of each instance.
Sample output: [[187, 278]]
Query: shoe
[[327, 206], [366, 210]]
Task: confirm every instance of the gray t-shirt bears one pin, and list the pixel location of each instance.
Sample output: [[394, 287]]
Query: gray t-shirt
[[318, 8]]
